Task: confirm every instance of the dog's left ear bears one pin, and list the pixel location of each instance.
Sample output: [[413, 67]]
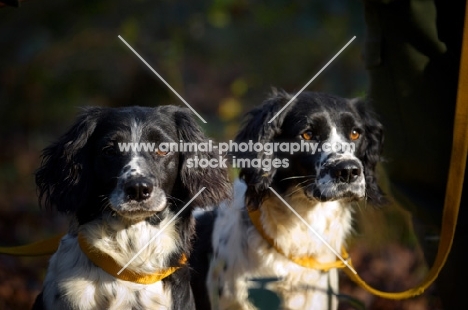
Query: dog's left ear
[[370, 150], [215, 179]]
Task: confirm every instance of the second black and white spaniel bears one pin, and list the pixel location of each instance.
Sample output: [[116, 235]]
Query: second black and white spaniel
[[264, 255], [126, 209]]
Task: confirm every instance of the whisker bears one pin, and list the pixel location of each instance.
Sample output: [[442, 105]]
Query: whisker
[[356, 205], [173, 199], [298, 177], [302, 187], [309, 180]]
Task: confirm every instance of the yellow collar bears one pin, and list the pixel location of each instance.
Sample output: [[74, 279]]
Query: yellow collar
[[304, 261], [109, 265]]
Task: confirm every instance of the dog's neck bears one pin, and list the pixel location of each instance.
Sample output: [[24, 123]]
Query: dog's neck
[[123, 240], [331, 220]]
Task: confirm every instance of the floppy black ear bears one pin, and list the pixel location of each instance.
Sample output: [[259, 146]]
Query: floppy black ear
[[61, 179], [370, 150], [215, 180], [257, 128]]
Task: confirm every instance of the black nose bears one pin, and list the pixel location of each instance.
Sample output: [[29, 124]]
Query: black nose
[[345, 171], [138, 189]]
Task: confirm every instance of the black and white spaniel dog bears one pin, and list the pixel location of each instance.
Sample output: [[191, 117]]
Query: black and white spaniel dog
[[258, 242], [123, 206]]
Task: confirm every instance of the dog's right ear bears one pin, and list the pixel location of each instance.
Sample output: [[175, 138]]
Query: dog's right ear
[[258, 128], [61, 180]]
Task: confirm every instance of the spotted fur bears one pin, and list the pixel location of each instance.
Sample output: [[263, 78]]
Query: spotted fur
[[322, 187], [120, 201]]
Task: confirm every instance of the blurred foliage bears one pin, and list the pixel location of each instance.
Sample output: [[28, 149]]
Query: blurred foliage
[[222, 56]]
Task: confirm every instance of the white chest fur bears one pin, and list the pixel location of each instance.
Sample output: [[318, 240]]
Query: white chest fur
[[74, 282], [241, 254]]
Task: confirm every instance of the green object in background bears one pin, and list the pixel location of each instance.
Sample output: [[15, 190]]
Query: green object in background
[[262, 297]]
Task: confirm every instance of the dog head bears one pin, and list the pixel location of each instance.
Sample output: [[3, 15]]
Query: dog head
[[110, 160], [344, 145]]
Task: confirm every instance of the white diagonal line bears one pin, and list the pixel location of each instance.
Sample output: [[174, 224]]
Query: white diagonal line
[[161, 230], [316, 233], [308, 83], [163, 80]]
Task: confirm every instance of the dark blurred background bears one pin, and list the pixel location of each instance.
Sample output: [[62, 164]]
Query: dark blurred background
[[222, 56]]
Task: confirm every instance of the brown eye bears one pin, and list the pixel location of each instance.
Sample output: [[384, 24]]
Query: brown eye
[[161, 153], [354, 135], [307, 135]]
